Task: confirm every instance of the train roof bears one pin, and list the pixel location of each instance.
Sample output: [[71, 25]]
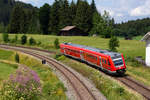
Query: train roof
[[106, 52]]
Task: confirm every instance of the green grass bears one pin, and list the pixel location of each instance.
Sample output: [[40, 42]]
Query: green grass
[[5, 54], [52, 87], [6, 70], [130, 48]]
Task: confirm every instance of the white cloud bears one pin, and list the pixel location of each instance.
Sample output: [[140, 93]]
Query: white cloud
[[119, 15], [142, 10]]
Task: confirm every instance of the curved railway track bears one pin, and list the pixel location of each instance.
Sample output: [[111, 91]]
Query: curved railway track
[[128, 81], [81, 90], [133, 84]]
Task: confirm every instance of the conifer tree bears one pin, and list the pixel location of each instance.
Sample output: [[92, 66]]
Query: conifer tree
[[15, 19], [23, 22], [64, 17], [44, 18], [72, 11], [82, 18], [98, 24], [93, 6], [54, 18]]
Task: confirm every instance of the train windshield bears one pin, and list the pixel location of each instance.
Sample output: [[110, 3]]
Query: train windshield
[[118, 62]]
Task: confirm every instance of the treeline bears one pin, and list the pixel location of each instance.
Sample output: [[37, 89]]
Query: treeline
[[6, 8], [133, 28], [49, 19]]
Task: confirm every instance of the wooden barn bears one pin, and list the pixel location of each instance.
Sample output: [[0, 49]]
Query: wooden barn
[[146, 38], [72, 31]]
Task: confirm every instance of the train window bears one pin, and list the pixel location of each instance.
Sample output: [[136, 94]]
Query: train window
[[92, 57], [108, 62], [105, 62]]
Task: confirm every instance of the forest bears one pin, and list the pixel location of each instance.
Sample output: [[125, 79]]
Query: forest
[[24, 18]]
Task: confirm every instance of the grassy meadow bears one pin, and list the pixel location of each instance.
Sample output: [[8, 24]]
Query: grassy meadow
[[130, 48], [51, 85], [6, 70]]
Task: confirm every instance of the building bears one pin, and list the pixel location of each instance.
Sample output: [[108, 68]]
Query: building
[[146, 38], [72, 31]]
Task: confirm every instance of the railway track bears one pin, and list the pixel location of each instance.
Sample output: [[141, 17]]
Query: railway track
[[81, 90], [133, 84], [127, 80]]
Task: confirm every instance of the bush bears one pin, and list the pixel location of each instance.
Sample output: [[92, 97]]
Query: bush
[[5, 37], [23, 85], [39, 43], [32, 41], [24, 39], [17, 58], [113, 43], [56, 43]]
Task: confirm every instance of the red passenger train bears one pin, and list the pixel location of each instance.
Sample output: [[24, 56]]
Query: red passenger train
[[110, 61]]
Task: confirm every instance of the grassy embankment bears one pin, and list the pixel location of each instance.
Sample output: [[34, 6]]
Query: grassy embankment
[[52, 87]]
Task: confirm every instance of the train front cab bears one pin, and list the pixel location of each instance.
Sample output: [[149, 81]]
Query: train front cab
[[118, 65]]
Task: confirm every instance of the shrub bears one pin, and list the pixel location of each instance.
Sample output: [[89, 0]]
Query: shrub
[[56, 43], [23, 85], [17, 58], [113, 43], [39, 43], [24, 39], [32, 41], [5, 37]]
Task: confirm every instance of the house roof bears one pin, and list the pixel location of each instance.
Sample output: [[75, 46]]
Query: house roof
[[67, 28], [146, 37]]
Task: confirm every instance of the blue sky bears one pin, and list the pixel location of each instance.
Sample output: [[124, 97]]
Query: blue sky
[[120, 10]]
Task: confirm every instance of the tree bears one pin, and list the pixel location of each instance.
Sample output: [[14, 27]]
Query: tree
[[64, 15], [56, 43], [32, 41], [2, 28], [54, 18], [24, 39], [72, 11], [5, 37], [83, 16], [98, 24], [44, 13], [34, 24], [108, 29], [93, 7], [23, 22], [113, 43], [15, 19], [17, 58]]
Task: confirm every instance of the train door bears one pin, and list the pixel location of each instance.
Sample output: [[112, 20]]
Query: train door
[[64, 51], [100, 61], [81, 55]]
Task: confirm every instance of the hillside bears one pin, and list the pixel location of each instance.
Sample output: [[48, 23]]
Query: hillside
[[6, 7], [133, 27]]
